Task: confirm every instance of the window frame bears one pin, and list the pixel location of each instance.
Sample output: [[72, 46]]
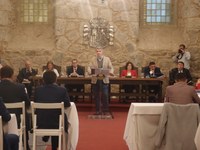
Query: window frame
[[50, 13], [173, 15]]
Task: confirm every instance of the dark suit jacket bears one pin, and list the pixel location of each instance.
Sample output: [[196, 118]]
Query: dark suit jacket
[[4, 113], [79, 70], [50, 94], [12, 92], [157, 72], [24, 74], [173, 73]]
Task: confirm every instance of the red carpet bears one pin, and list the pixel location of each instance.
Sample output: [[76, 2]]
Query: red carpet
[[102, 134]]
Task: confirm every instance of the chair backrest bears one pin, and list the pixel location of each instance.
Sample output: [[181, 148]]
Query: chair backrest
[[1, 134], [19, 105], [22, 129], [47, 106]]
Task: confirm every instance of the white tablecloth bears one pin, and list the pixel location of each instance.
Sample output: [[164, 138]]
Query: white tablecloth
[[11, 126], [141, 125], [73, 130]]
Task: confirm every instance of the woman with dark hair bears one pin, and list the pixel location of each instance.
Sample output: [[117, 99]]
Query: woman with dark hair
[[129, 72], [50, 66]]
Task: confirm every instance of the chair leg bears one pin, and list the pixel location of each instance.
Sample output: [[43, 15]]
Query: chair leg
[[64, 140], [60, 142], [34, 141], [20, 140], [24, 134]]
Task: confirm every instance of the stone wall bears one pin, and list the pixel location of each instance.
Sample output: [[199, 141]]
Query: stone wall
[[61, 40]]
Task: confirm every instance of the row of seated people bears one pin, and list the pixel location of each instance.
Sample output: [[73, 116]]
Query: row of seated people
[[152, 71], [72, 71], [129, 71], [12, 92]]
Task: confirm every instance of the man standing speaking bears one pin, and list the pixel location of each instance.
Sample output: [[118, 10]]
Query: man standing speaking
[[101, 64]]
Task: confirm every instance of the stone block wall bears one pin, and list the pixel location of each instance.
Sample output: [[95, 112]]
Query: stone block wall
[[61, 40]]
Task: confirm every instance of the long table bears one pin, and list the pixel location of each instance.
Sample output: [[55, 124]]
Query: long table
[[140, 82]]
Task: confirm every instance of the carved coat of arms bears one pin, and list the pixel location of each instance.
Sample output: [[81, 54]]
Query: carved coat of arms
[[99, 33]]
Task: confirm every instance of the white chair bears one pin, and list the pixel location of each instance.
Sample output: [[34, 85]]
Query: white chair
[[22, 129], [1, 134], [60, 132]]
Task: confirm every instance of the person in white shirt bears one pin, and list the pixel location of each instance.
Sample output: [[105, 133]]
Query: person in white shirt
[[183, 56], [50, 66]]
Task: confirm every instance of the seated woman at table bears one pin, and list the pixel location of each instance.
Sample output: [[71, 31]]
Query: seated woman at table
[[50, 66], [197, 86], [10, 141], [129, 72]]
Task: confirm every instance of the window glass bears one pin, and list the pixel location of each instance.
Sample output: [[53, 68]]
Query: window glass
[[34, 11], [157, 11]]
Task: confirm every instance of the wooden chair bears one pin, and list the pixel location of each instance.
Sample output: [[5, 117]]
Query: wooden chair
[[1, 134], [22, 129], [60, 132]]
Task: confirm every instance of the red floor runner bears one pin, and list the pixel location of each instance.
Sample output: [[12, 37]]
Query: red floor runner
[[101, 134]]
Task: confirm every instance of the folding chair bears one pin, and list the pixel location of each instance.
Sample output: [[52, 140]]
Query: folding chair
[[22, 129], [1, 134], [60, 132]]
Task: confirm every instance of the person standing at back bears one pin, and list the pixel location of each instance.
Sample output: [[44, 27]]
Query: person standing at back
[[50, 92], [180, 92], [183, 56], [13, 92]]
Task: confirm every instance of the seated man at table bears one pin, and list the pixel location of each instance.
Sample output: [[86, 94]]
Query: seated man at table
[[10, 141], [50, 92], [180, 69], [180, 92], [24, 76], [74, 70], [152, 71]]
